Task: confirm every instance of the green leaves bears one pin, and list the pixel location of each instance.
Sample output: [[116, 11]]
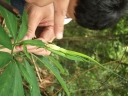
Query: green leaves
[[24, 26], [72, 55], [17, 83], [55, 71], [37, 43], [55, 62], [10, 81], [25, 51], [11, 21], [6, 80], [4, 39], [24, 72], [5, 58], [34, 87]]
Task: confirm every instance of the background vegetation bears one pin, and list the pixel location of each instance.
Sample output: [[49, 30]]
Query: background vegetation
[[109, 47]]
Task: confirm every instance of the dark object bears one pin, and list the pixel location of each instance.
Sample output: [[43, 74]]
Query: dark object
[[100, 14], [19, 4], [9, 8], [1, 20], [38, 31]]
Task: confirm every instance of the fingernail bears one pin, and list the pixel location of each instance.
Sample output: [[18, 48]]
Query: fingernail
[[25, 38], [59, 36]]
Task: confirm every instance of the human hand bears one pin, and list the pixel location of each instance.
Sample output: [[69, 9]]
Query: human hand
[[43, 17], [58, 16], [60, 11], [40, 3]]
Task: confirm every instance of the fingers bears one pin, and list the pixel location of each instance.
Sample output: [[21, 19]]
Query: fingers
[[60, 7], [33, 20], [34, 50], [40, 51], [46, 36]]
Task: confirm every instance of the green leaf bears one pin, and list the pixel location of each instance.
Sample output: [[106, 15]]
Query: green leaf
[[58, 50], [4, 39], [34, 87], [66, 55], [37, 43], [6, 80], [58, 65], [10, 20], [74, 57], [24, 72], [24, 26], [25, 51], [11, 82], [17, 85], [5, 58], [54, 70], [70, 54]]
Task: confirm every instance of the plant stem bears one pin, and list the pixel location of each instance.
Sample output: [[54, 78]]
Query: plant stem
[[9, 8], [36, 68], [12, 49]]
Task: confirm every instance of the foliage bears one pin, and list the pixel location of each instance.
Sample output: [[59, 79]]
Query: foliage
[[109, 48], [19, 71]]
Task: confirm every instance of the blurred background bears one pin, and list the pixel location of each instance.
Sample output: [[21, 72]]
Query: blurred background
[[109, 47]]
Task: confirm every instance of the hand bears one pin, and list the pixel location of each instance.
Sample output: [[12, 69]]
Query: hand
[[43, 17], [60, 10], [40, 3]]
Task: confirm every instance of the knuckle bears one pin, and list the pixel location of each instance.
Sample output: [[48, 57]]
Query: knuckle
[[30, 33]]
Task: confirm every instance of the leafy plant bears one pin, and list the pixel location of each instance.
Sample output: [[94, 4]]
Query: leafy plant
[[15, 70]]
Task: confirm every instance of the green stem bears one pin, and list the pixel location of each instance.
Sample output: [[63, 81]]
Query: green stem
[[13, 46], [12, 50]]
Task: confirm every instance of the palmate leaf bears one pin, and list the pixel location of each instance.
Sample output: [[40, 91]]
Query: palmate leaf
[[5, 58], [10, 20], [54, 70], [4, 39], [24, 26], [34, 87], [11, 82]]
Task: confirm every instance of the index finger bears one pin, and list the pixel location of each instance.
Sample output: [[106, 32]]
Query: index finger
[[60, 11]]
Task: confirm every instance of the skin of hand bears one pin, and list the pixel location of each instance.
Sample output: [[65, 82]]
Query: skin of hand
[[40, 3], [60, 11], [37, 18], [41, 18]]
